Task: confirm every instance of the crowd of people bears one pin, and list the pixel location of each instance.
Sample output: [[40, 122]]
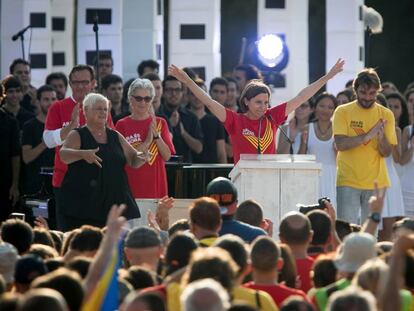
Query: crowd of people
[[108, 146]]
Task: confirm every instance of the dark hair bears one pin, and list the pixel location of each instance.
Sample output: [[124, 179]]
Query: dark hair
[[321, 226], [232, 80], [140, 277], [57, 76], [382, 100], [288, 272], [250, 212], [219, 81], [152, 300], [80, 264], [43, 251], [18, 233], [205, 213], [53, 264], [367, 77], [342, 228], [170, 78], [57, 237], [296, 303], [16, 62], [147, 63], [178, 252], [252, 89], [67, 240], [110, 79], [42, 89], [88, 239], [348, 93], [67, 283], [11, 82], [152, 76], [236, 247], [251, 72], [103, 56], [264, 254], [43, 236], [295, 235], [404, 118], [78, 68], [324, 95], [349, 83], [191, 73], [409, 269], [324, 271], [178, 226]]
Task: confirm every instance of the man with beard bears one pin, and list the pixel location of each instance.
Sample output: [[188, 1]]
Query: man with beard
[[364, 133]]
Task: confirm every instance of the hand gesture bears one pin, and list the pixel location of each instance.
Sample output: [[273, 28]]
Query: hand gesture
[[115, 221], [175, 118], [162, 211], [304, 137], [330, 211], [90, 156], [152, 222], [375, 130], [376, 202], [153, 127], [74, 119], [337, 68], [41, 222], [178, 73], [182, 129], [267, 225]]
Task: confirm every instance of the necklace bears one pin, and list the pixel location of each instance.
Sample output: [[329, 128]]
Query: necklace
[[326, 132]]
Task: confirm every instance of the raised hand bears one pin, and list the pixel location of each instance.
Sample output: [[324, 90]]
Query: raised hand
[[175, 118], [178, 73], [74, 119], [115, 221], [41, 222], [376, 202], [375, 130], [337, 68], [90, 156]]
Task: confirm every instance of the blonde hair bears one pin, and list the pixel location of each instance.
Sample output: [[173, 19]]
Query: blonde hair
[[372, 275]]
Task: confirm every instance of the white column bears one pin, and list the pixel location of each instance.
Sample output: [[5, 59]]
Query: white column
[[142, 35], [344, 38], [194, 34], [292, 22]]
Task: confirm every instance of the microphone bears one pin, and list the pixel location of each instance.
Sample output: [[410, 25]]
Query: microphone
[[20, 33], [287, 138], [95, 23], [259, 150]]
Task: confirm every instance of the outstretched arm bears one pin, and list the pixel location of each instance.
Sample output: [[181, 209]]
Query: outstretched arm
[[216, 108], [311, 89]]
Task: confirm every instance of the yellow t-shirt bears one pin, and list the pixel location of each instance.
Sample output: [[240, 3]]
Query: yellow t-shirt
[[359, 167], [247, 295]]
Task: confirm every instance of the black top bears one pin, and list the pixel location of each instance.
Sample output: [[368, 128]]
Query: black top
[[22, 116], [88, 192], [213, 130], [191, 125], [9, 148], [32, 136]]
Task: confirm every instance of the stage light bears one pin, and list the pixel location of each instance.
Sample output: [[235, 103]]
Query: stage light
[[270, 48]]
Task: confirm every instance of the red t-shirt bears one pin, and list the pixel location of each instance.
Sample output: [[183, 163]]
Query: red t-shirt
[[58, 116], [244, 131], [149, 180], [278, 292], [304, 267]]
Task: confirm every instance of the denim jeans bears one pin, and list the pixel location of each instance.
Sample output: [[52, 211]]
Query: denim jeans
[[352, 204]]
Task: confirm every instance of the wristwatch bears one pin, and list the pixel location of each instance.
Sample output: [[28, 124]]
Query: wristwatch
[[375, 217], [156, 137]]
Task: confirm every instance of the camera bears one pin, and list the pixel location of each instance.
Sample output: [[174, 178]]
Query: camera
[[304, 209], [20, 216]]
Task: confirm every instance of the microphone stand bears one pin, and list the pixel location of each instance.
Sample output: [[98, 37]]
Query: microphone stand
[[20, 35], [288, 140], [95, 30]]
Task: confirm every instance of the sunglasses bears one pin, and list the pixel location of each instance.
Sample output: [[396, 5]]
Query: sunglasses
[[146, 99]]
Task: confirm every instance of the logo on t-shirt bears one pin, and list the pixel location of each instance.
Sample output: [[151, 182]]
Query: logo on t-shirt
[[357, 126], [246, 132], [265, 141]]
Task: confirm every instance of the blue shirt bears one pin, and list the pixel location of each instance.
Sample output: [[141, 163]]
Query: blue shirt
[[245, 231]]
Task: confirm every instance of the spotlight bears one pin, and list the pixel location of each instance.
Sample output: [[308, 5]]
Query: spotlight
[[272, 51]]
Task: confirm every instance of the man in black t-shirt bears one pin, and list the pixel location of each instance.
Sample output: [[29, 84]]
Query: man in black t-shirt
[[9, 163], [34, 151], [214, 150], [186, 129]]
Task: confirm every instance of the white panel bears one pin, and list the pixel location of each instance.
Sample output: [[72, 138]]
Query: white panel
[[344, 37], [142, 30], [196, 53], [293, 23]]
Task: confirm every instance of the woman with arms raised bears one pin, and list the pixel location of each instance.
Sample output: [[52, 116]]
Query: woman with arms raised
[[254, 131]]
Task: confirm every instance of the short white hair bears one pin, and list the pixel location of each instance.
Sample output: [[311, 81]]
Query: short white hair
[[143, 84], [194, 296], [93, 98]]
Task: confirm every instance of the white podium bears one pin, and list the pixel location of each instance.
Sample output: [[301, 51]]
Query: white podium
[[278, 182]]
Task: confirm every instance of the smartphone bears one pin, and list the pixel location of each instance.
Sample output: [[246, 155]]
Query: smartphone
[[18, 216]]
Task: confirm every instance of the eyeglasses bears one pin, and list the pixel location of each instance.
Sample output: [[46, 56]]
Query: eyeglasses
[[138, 99], [173, 90], [81, 82]]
